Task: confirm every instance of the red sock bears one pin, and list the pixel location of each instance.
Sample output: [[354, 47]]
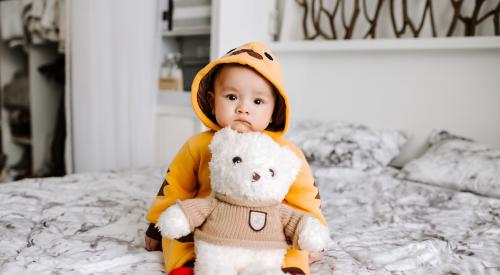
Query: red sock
[[182, 271]]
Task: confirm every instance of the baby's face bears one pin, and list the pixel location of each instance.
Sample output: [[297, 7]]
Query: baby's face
[[243, 99]]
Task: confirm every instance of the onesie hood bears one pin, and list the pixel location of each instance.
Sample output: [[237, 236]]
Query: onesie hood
[[257, 56]]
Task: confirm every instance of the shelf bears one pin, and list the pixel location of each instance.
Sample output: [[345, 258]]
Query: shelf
[[205, 30], [174, 103], [195, 60], [24, 140], [445, 43], [176, 98]]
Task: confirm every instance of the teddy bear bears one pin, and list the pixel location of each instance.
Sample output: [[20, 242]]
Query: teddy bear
[[243, 227]]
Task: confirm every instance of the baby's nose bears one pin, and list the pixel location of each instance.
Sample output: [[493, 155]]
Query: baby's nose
[[242, 110], [255, 177]]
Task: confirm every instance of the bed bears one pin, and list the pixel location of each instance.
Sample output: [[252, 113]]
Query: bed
[[384, 225], [381, 222], [78, 224]]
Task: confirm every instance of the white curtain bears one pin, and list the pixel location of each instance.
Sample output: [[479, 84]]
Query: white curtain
[[114, 49]]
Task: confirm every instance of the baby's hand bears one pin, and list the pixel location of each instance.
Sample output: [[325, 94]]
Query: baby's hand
[[151, 244], [315, 257]]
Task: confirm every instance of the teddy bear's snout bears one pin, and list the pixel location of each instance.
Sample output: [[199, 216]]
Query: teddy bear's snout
[[255, 177]]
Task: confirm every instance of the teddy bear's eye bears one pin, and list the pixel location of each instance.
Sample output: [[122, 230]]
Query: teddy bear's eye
[[237, 160], [272, 172]]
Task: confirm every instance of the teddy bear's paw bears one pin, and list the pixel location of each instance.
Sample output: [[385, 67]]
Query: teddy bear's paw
[[314, 236], [173, 223]]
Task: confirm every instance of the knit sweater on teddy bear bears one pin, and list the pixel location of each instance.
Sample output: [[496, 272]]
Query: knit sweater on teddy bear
[[230, 221]]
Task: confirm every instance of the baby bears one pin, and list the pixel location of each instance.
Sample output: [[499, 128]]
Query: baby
[[243, 90]]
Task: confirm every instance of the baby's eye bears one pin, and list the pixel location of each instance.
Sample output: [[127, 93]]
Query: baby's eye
[[237, 160], [258, 101], [231, 97], [272, 172]]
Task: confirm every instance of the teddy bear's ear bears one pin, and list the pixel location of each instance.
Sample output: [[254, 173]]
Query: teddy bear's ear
[[223, 137], [291, 161]]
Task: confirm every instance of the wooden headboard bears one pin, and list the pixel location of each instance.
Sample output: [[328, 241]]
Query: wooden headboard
[[411, 84]]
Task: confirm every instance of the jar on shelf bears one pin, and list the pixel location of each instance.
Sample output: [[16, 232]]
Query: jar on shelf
[[171, 78]]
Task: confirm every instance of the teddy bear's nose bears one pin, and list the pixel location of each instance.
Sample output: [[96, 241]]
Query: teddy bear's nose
[[255, 177]]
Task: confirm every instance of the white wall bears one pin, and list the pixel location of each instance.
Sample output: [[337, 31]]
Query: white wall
[[416, 89], [235, 22]]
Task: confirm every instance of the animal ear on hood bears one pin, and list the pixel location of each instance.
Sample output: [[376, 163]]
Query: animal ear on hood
[[223, 137]]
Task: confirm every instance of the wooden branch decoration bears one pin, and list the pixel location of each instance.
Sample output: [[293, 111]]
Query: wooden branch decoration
[[318, 15], [471, 23], [349, 28], [303, 4], [457, 7], [408, 22], [373, 21], [427, 8], [316, 20], [331, 17], [398, 32]]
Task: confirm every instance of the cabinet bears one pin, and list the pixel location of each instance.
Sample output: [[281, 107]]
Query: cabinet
[[33, 144], [32, 78], [175, 119]]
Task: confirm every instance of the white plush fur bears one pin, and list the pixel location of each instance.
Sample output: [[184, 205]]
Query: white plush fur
[[314, 236], [277, 167], [173, 223], [259, 153], [225, 260]]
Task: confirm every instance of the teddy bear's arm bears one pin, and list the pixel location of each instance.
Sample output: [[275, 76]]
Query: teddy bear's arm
[[183, 217], [303, 230], [197, 210]]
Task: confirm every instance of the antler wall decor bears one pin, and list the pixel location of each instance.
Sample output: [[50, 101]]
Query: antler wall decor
[[338, 22]]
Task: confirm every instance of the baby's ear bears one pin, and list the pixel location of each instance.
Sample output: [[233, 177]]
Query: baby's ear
[[290, 161], [222, 138]]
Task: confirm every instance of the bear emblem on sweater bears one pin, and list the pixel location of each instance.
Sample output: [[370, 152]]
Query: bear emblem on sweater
[[243, 225]]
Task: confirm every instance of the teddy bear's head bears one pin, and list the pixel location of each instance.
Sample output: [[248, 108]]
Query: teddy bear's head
[[251, 166]]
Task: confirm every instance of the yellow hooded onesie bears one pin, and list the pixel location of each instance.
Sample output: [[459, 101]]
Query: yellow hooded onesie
[[188, 174]]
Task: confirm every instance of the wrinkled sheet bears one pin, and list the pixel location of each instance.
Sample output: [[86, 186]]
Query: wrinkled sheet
[[78, 224], [392, 226], [94, 224]]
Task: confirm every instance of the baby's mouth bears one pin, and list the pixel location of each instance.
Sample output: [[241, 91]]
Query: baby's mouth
[[243, 122], [242, 126]]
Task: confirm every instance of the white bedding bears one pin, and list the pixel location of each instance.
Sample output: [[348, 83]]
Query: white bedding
[[389, 225], [94, 224], [79, 224]]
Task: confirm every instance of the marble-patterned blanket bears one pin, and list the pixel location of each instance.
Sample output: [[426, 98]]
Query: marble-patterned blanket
[[94, 224], [391, 226], [78, 224]]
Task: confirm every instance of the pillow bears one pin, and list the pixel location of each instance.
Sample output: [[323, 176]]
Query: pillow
[[347, 145], [458, 163]]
